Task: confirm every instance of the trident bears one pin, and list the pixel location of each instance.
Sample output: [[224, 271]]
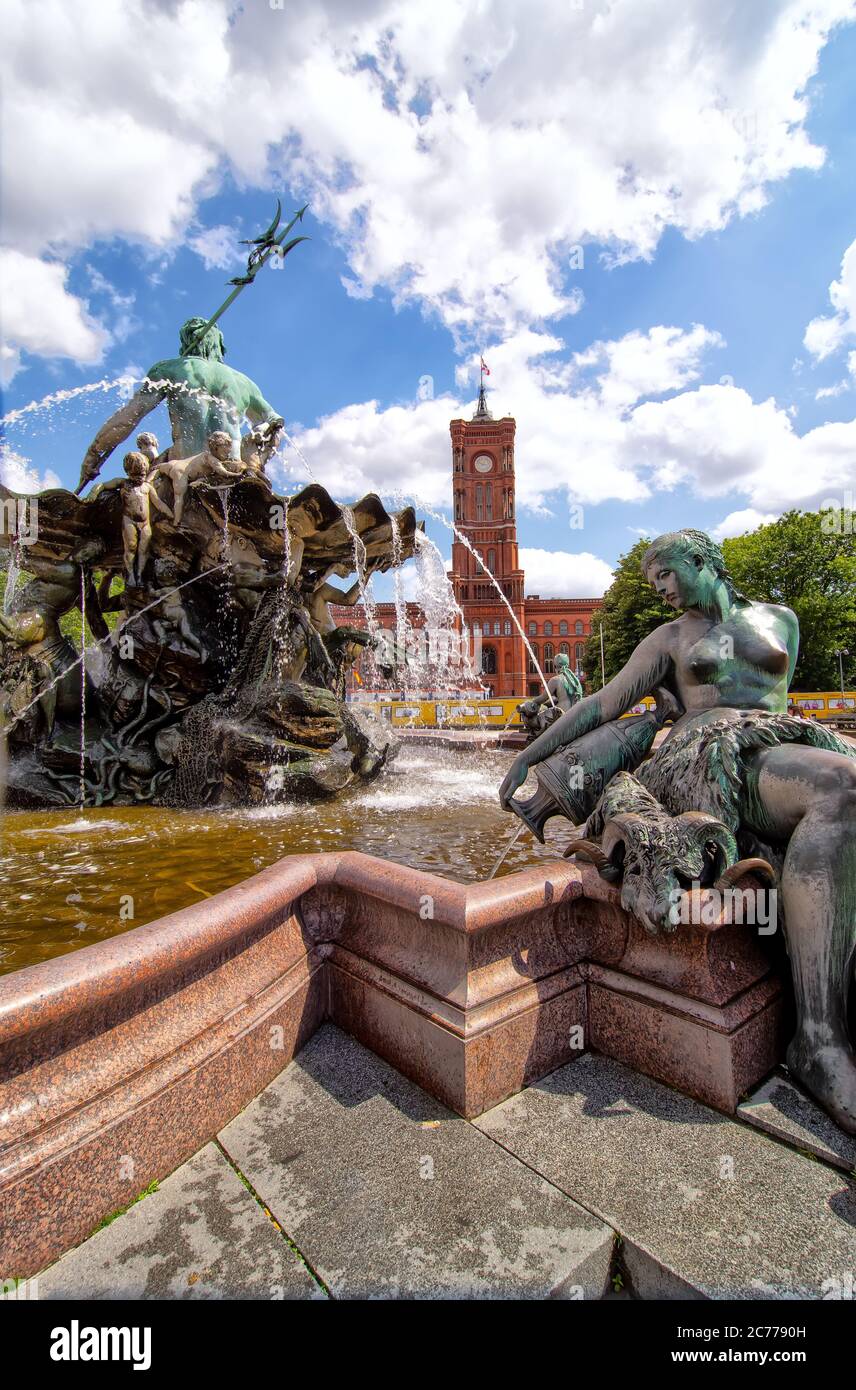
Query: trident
[[264, 246]]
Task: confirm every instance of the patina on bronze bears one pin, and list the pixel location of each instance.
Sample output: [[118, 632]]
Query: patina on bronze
[[784, 788], [562, 692], [223, 681]]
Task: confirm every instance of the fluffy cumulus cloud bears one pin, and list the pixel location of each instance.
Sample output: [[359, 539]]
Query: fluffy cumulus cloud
[[470, 157], [18, 474], [217, 246], [38, 314], [828, 332], [564, 574], [566, 125], [739, 522], [586, 438]]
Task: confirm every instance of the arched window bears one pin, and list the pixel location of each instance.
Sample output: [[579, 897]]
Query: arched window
[[488, 501], [496, 629], [491, 561], [479, 501], [488, 661], [578, 628], [531, 665], [548, 629], [548, 656], [533, 628], [506, 627], [565, 649], [578, 654], [459, 507], [563, 628], [476, 629]]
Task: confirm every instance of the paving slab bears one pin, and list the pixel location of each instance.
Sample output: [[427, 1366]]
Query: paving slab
[[706, 1206], [390, 1195], [781, 1108], [200, 1235]]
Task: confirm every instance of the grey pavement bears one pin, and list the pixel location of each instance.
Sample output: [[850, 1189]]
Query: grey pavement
[[389, 1194], [364, 1186], [202, 1234], [706, 1206], [782, 1109]]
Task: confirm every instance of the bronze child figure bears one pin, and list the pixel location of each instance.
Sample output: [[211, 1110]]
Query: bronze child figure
[[138, 498]]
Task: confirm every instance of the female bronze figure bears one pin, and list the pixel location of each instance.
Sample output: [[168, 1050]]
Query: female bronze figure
[[736, 752]]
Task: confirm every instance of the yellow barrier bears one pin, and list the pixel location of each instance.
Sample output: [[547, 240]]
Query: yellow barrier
[[465, 713]]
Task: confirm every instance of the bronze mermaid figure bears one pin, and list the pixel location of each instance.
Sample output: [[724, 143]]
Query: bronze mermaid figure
[[781, 783]]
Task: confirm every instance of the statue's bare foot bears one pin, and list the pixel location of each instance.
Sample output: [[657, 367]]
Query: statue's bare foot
[[829, 1074]]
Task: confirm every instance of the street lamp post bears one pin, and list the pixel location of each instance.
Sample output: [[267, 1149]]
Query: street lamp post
[[841, 652]]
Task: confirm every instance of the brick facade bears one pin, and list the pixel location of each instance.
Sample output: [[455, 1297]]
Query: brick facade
[[484, 511]]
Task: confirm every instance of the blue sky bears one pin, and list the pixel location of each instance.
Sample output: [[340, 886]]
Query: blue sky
[[671, 379]]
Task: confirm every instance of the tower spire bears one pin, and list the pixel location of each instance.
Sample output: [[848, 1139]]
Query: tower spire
[[482, 412]]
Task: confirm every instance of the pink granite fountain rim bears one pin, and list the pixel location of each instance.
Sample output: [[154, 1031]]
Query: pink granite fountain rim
[[49, 992]]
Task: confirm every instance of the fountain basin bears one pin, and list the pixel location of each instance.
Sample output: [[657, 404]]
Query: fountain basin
[[120, 1061]]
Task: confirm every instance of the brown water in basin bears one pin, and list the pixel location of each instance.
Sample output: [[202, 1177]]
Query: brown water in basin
[[70, 878]]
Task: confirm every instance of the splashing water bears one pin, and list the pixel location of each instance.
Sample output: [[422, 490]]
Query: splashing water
[[437, 516], [401, 622], [82, 687], [12, 574], [442, 613], [286, 541], [183, 388], [451, 659], [226, 543], [360, 555], [19, 714], [360, 565], [60, 397]]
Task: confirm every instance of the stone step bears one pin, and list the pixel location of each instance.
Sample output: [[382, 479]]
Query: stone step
[[390, 1195], [780, 1108], [201, 1235], [707, 1207]]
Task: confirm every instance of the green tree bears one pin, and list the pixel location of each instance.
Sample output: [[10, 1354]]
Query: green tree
[[629, 611], [70, 622], [807, 561]]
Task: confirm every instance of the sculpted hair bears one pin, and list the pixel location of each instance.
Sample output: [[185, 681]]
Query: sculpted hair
[[688, 542], [210, 345]]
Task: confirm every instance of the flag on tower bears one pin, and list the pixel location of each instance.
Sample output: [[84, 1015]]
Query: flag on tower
[[485, 368]]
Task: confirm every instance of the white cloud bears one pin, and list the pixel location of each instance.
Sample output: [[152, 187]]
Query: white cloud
[[825, 392], [17, 474], [10, 363], [39, 314], [648, 364], [825, 334], [218, 247], [738, 523], [101, 285], [459, 152], [604, 123], [584, 441], [564, 574]]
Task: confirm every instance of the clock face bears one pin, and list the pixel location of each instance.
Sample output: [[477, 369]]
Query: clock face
[[483, 464]]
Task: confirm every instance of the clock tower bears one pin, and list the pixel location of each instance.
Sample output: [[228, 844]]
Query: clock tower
[[483, 509]]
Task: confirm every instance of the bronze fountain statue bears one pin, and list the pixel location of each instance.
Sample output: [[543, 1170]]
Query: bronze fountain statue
[[735, 774], [225, 666], [562, 692]]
